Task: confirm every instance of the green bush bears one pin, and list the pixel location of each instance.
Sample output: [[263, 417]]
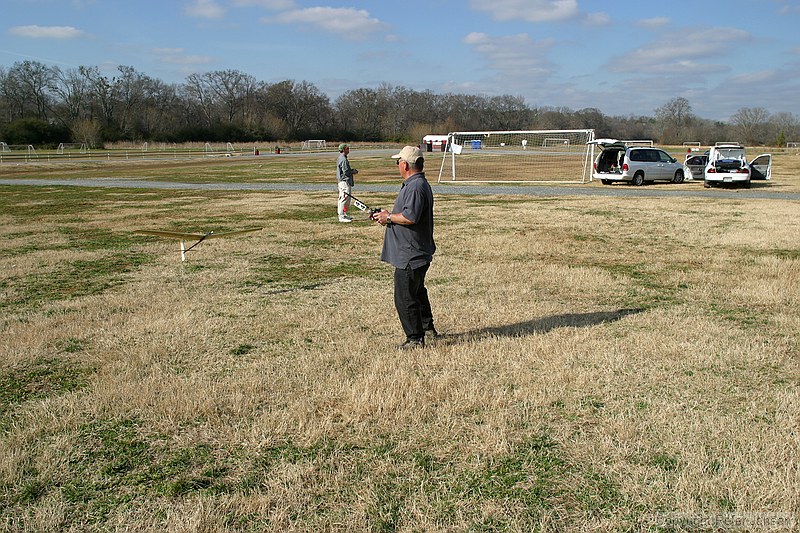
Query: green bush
[[36, 132]]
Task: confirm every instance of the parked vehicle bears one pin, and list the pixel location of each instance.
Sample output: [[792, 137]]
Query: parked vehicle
[[696, 164], [636, 164], [727, 163]]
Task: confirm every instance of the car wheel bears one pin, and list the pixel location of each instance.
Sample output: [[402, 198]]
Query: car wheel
[[606, 182], [747, 184], [707, 184], [678, 177], [638, 179]]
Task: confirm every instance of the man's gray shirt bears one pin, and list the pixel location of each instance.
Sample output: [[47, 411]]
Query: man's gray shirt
[[343, 170], [412, 245]]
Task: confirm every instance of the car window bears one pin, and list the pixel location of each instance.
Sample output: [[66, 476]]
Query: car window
[[695, 160], [665, 157], [638, 155]]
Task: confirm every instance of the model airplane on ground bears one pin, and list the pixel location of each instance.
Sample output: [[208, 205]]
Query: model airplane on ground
[[199, 237]]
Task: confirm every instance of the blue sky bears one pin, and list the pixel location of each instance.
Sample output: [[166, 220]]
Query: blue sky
[[625, 57]]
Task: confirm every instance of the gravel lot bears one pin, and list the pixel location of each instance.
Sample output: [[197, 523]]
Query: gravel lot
[[438, 188]]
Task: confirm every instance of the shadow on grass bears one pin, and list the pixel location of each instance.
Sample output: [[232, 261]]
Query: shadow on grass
[[545, 325]]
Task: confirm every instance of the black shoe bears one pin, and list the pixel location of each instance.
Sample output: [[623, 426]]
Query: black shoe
[[411, 344], [432, 334]]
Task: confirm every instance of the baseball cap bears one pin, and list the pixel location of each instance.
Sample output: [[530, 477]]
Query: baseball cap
[[409, 153], [343, 146]]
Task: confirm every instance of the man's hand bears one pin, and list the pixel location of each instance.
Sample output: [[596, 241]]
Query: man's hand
[[381, 217]]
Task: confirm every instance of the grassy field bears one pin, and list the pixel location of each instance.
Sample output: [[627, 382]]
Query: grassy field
[[370, 160], [609, 363]]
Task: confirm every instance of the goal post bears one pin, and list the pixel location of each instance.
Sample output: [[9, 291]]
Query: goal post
[[639, 142], [545, 156], [66, 148], [314, 144]]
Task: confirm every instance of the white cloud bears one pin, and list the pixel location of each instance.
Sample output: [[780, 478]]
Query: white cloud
[[679, 53], [177, 56], [205, 9], [758, 77], [267, 4], [655, 22], [515, 56], [529, 10], [352, 24], [789, 9], [46, 32], [597, 19]]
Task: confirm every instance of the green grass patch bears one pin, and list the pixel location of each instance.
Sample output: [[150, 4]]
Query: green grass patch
[[792, 254], [73, 280], [40, 378], [743, 316], [297, 271], [119, 463]]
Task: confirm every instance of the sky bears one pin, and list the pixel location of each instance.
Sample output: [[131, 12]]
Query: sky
[[623, 57]]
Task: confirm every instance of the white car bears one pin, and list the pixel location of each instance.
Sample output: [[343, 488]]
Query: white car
[[696, 163], [727, 163]]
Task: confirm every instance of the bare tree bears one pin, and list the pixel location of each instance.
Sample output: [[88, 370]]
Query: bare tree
[[507, 112], [231, 90], [301, 107], [361, 113], [160, 112], [784, 127], [199, 96], [12, 102], [674, 118], [751, 124], [130, 90], [86, 131], [72, 90], [33, 81], [103, 97]]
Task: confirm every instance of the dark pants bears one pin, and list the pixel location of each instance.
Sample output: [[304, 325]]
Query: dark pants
[[411, 301]]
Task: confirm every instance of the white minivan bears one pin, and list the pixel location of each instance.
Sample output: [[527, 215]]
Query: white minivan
[[636, 164]]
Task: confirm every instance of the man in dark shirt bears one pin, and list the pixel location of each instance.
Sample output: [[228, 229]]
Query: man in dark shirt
[[409, 247]]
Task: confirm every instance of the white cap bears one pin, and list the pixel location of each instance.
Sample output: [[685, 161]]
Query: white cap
[[409, 153]]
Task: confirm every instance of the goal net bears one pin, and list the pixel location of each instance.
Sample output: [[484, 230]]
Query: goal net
[[518, 156], [64, 148], [639, 142], [314, 144]]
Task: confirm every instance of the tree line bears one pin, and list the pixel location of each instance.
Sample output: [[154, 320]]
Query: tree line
[[46, 105]]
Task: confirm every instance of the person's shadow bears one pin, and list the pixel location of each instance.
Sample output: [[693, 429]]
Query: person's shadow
[[543, 325]]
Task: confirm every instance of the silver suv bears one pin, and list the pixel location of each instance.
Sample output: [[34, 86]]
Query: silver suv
[[636, 164]]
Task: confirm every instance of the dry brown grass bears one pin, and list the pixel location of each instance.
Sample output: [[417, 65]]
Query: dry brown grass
[[607, 360], [371, 162]]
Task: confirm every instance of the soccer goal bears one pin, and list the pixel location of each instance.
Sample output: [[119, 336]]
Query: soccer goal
[[639, 142], [518, 156], [65, 148], [314, 144]]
